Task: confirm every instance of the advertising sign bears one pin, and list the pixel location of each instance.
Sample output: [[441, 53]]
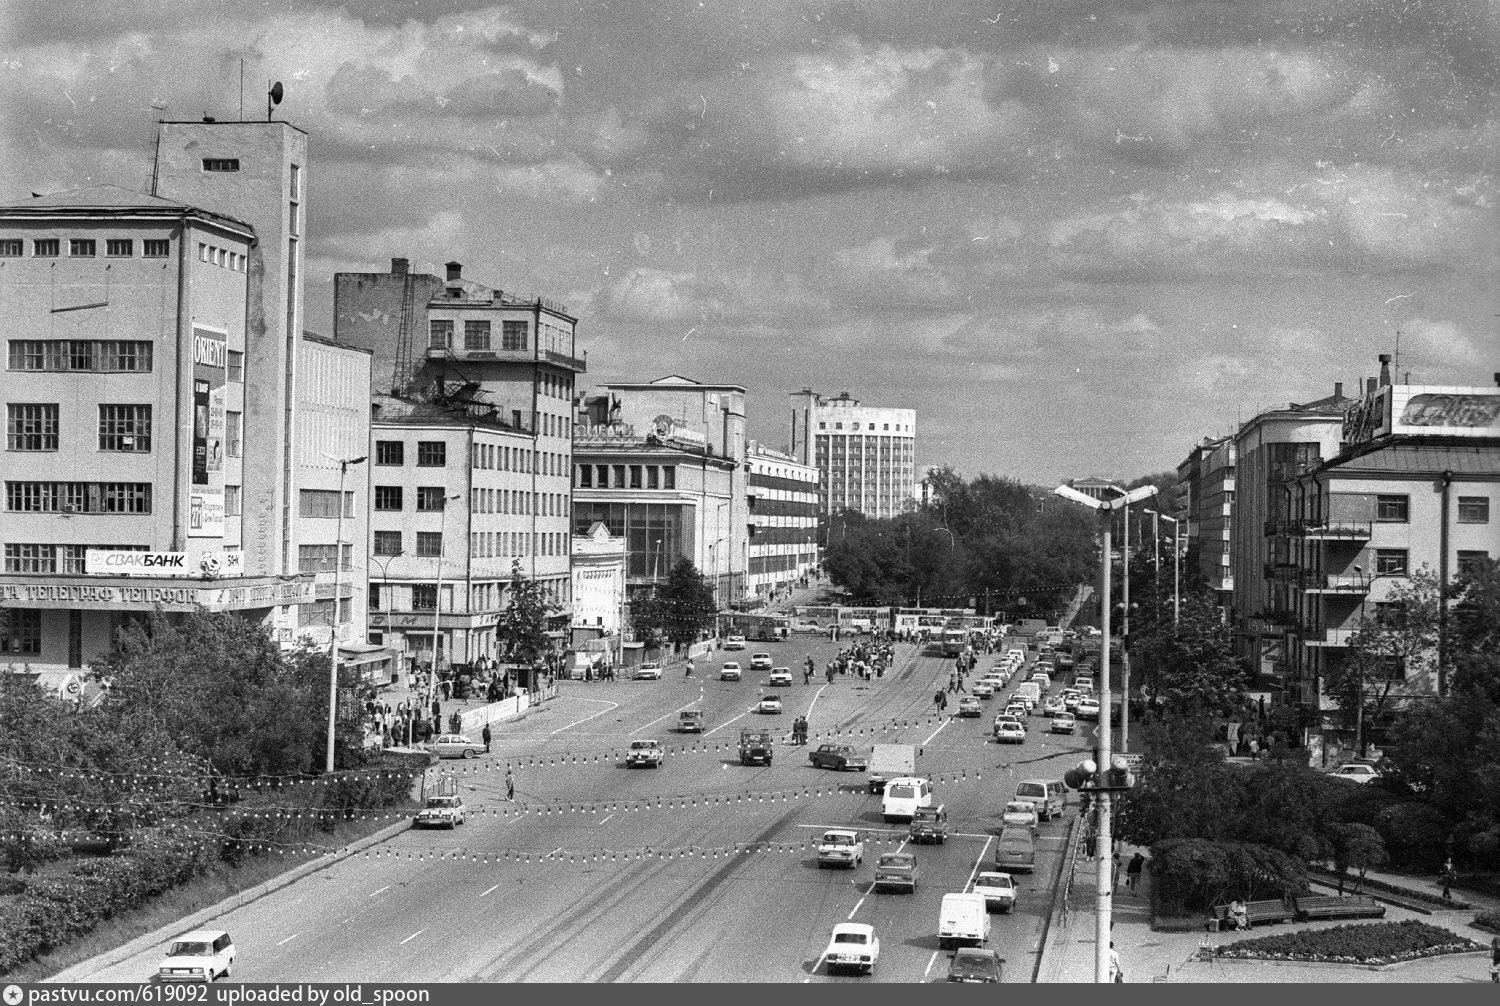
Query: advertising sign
[[108, 562], [1447, 412], [206, 493]]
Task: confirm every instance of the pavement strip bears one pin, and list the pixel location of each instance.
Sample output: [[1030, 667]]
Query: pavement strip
[[612, 706], [674, 712]]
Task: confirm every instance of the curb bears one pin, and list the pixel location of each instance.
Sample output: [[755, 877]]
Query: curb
[[1045, 965], [76, 972]]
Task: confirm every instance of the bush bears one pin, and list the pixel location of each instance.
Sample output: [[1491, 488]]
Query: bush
[[1194, 874], [1416, 835], [1373, 943], [1489, 919]]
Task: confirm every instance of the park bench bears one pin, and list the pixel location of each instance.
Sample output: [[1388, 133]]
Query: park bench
[[1256, 913], [1355, 906]]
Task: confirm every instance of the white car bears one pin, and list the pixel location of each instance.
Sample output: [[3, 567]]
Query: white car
[[730, 671], [1007, 732], [649, 671], [1054, 705], [781, 676], [455, 746], [644, 754], [853, 945], [840, 847], [734, 643], [204, 955], [1356, 772], [999, 890], [760, 661], [1088, 709], [769, 704], [441, 812], [1019, 812], [982, 690], [1063, 723]]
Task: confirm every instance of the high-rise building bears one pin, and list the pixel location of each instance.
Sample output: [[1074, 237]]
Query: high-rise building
[[152, 397], [783, 519], [866, 454]]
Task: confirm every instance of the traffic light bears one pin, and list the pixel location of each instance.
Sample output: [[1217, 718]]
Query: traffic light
[[1119, 775], [1081, 777]]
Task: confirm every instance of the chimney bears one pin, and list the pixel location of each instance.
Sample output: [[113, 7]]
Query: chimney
[[1385, 370], [399, 266], [1338, 390], [455, 271]]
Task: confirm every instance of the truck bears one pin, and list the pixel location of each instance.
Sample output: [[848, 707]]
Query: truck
[[755, 747], [890, 761], [963, 921]]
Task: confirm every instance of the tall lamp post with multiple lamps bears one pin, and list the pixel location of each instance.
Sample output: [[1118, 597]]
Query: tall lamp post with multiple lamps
[[1103, 849], [338, 583], [389, 635], [437, 603], [1176, 558]]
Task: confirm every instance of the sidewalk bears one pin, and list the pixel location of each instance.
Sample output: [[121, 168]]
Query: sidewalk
[[1147, 955]]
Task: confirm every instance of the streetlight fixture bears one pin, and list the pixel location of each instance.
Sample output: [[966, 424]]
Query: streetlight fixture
[[389, 634], [1103, 907], [338, 580], [437, 604], [1176, 540]]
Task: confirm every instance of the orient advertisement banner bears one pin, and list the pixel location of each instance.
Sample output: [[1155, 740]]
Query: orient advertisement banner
[[206, 495]]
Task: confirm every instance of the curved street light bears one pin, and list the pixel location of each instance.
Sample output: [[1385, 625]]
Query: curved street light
[[338, 582]]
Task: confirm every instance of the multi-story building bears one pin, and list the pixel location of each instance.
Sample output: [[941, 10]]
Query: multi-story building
[[866, 454], [661, 464], [489, 376], [1213, 521], [1414, 486], [783, 519], [1270, 450], [153, 351], [598, 595]]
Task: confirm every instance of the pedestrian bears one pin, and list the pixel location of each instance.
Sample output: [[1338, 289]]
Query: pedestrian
[[1114, 872], [961, 685], [953, 681], [689, 671], [1133, 873], [1115, 974], [486, 736], [510, 784], [1495, 959], [1448, 876]]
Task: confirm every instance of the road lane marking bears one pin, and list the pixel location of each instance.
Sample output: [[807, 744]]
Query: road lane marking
[[674, 712], [979, 862], [413, 936], [288, 939], [387, 887], [816, 696], [861, 901], [938, 730], [726, 723], [612, 706], [606, 820], [491, 889], [930, 962]]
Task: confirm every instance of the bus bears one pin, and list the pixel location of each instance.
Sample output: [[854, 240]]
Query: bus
[[767, 628]]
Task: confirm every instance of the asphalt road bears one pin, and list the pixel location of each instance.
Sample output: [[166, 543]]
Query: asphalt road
[[700, 871]]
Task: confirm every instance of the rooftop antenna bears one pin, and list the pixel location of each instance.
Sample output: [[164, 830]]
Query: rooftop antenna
[[273, 98], [242, 90], [156, 155]]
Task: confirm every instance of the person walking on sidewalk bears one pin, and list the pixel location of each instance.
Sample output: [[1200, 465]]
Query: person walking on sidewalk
[[688, 672], [1133, 873], [510, 784], [486, 736], [1115, 974]]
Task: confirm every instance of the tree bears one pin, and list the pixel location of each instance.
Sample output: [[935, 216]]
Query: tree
[[1359, 846], [1472, 642], [682, 609], [1191, 669], [1185, 788], [521, 629]]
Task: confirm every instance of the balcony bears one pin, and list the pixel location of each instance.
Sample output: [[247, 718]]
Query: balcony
[[1320, 530], [460, 355], [1345, 583], [1328, 637]]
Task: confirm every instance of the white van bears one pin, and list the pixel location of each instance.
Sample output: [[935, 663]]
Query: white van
[[903, 796], [963, 921], [1029, 691], [1048, 796]]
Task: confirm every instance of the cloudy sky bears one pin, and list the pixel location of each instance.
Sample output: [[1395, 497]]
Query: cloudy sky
[[1075, 235]]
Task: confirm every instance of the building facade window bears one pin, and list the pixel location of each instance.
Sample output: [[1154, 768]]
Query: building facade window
[[391, 453], [236, 366], [21, 632], [1393, 509], [119, 248], [81, 248], [78, 497], [324, 503], [234, 427], [221, 164], [424, 597], [439, 334], [46, 248], [231, 501], [156, 248], [12, 248], [30, 557], [94, 355], [585, 476], [429, 543], [1471, 561], [430, 497], [1391, 561], [125, 428], [1473, 509], [31, 427], [432, 454], [320, 558], [388, 498], [387, 542], [476, 334], [513, 335]]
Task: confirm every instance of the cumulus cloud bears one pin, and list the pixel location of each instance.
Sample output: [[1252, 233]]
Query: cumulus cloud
[[658, 295], [882, 272]]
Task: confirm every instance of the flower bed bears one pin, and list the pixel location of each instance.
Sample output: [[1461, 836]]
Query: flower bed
[[1367, 944]]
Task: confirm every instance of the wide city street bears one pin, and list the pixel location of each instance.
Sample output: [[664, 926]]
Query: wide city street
[[700, 871]]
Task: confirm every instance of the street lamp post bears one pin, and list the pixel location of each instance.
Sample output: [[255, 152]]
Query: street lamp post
[[385, 581], [437, 606], [338, 582], [1359, 705], [1103, 848], [1176, 540]]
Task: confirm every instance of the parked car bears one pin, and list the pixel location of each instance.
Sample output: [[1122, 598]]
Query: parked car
[[780, 676], [203, 955], [1064, 723], [649, 671], [734, 643], [1020, 813], [1007, 732], [839, 757], [760, 661], [999, 890], [441, 812], [1356, 772], [455, 746], [854, 946], [729, 671], [976, 966], [896, 871], [770, 704], [841, 847], [970, 706], [644, 754]]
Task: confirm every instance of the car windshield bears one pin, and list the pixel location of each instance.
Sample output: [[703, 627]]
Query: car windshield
[[833, 838], [192, 949], [642, 745], [1030, 790], [443, 801], [897, 861], [849, 937], [993, 880], [901, 792]]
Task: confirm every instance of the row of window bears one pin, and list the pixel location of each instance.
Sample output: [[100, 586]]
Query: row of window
[[35, 426], [506, 544], [482, 597], [430, 453], [428, 543], [321, 558], [513, 334], [85, 248], [625, 476], [224, 258], [105, 356], [1397, 561], [78, 497], [1396, 509], [39, 557], [855, 427]]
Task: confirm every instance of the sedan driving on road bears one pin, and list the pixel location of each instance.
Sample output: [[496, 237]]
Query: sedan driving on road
[[730, 671], [1088, 709], [760, 661], [1020, 813], [441, 812], [455, 746], [1064, 723], [982, 689], [781, 676], [734, 643], [999, 890], [769, 704], [854, 946], [969, 706], [649, 671], [1007, 732], [644, 754]]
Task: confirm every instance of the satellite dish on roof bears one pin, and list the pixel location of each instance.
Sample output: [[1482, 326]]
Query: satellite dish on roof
[[273, 98]]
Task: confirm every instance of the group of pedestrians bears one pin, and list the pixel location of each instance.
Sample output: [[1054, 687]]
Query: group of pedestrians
[[799, 730]]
